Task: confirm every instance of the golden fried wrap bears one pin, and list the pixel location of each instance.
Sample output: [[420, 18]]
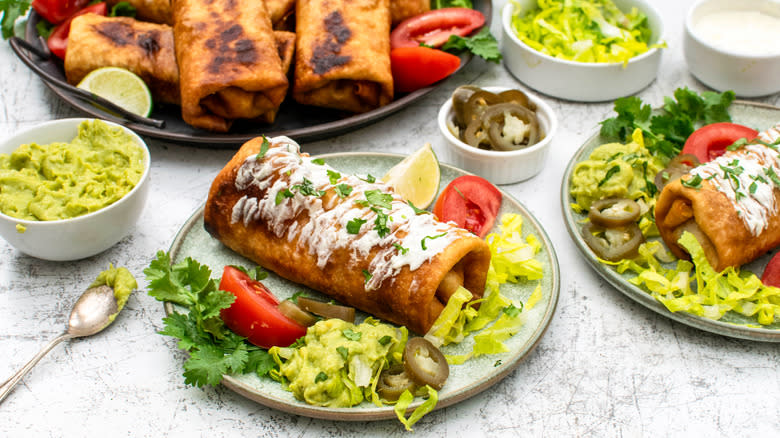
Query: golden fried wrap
[[730, 204], [343, 54], [155, 11], [229, 66], [144, 48], [400, 10], [161, 11], [285, 212]]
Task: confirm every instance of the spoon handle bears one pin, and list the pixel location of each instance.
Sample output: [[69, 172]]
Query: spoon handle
[[9, 384]]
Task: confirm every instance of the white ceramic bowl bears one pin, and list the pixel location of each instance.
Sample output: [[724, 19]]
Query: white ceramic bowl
[[500, 167], [82, 236], [581, 81], [721, 68]]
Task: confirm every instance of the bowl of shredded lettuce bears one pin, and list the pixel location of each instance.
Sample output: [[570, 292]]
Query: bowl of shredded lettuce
[[583, 50]]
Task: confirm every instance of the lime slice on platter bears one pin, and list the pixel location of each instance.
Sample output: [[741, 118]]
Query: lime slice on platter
[[121, 87], [416, 178]]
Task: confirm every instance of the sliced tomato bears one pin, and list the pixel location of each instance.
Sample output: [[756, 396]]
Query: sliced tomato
[[58, 40], [433, 28], [710, 141], [417, 67], [57, 11], [470, 201], [254, 313], [771, 276]]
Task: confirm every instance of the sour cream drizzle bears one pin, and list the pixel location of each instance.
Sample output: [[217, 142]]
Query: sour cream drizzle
[[412, 240], [745, 177]]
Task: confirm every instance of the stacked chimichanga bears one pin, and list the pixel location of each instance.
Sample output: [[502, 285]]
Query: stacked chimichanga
[[731, 204], [354, 240], [343, 54], [146, 49]]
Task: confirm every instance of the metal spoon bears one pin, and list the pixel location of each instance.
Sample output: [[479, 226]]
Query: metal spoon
[[94, 311]]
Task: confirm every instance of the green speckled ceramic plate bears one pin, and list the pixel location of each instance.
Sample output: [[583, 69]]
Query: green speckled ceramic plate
[[732, 324], [465, 380]]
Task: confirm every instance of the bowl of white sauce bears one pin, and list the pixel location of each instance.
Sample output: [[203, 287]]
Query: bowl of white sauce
[[734, 45]]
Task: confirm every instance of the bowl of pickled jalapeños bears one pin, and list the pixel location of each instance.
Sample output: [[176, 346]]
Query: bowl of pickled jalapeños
[[502, 134]]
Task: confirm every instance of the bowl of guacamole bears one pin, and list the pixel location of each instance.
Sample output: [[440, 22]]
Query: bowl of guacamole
[[71, 188]]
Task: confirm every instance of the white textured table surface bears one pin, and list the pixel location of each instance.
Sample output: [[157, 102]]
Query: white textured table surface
[[606, 367]]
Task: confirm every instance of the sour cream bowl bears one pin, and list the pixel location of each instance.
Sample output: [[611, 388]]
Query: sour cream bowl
[[734, 45], [81, 236]]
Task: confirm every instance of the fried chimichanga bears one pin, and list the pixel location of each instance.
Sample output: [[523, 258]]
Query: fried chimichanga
[[155, 11], [229, 66], [343, 54], [730, 204], [144, 48], [400, 10], [161, 11], [356, 241]]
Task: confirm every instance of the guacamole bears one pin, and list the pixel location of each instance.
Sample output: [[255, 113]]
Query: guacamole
[[338, 362], [123, 283], [616, 170], [64, 180]]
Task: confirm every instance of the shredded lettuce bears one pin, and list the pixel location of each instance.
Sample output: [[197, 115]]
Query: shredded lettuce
[[583, 30], [498, 317], [406, 399], [696, 287]]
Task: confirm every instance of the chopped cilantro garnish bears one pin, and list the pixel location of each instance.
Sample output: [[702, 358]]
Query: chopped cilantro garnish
[[418, 210], [333, 176], [380, 223], [384, 340], [351, 334], [343, 351], [353, 226], [318, 161], [422, 242], [282, 195], [263, 148], [307, 189], [321, 377], [693, 183], [612, 171], [770, 172], [343, 190], [367, 275], [400, 248]]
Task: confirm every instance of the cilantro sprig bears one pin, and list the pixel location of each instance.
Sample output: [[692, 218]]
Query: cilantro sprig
[[665, 131], [213, 349]]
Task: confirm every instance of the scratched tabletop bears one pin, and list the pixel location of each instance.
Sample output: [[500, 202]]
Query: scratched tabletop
[[607, 366]]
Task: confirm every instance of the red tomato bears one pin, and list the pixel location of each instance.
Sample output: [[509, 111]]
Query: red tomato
[[58, 40], [56, 11], [435, 27], [254, 314], [771, 276], [417, 67], [711, 141], [471, 202]]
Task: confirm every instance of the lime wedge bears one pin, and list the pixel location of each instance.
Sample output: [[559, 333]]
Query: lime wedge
[[121, 87], [416, 178]]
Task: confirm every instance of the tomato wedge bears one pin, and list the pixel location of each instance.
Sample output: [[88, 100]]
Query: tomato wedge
[[471, 202], [771, 276], [433, 28], [58, 40], [254, 313], [710, 141], [417, 67], [56, 11]]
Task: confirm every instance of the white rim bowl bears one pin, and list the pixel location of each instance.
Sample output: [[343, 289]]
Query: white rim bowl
[[748, 75], [81, 236], [501, 167], [582, 81]]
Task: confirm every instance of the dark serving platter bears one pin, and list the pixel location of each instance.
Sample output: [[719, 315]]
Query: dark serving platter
[[300, 122]]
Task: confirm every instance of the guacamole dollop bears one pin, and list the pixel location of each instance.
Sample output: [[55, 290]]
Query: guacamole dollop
[[616, 170], [338, 363], [65, 180], [119, 279]]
